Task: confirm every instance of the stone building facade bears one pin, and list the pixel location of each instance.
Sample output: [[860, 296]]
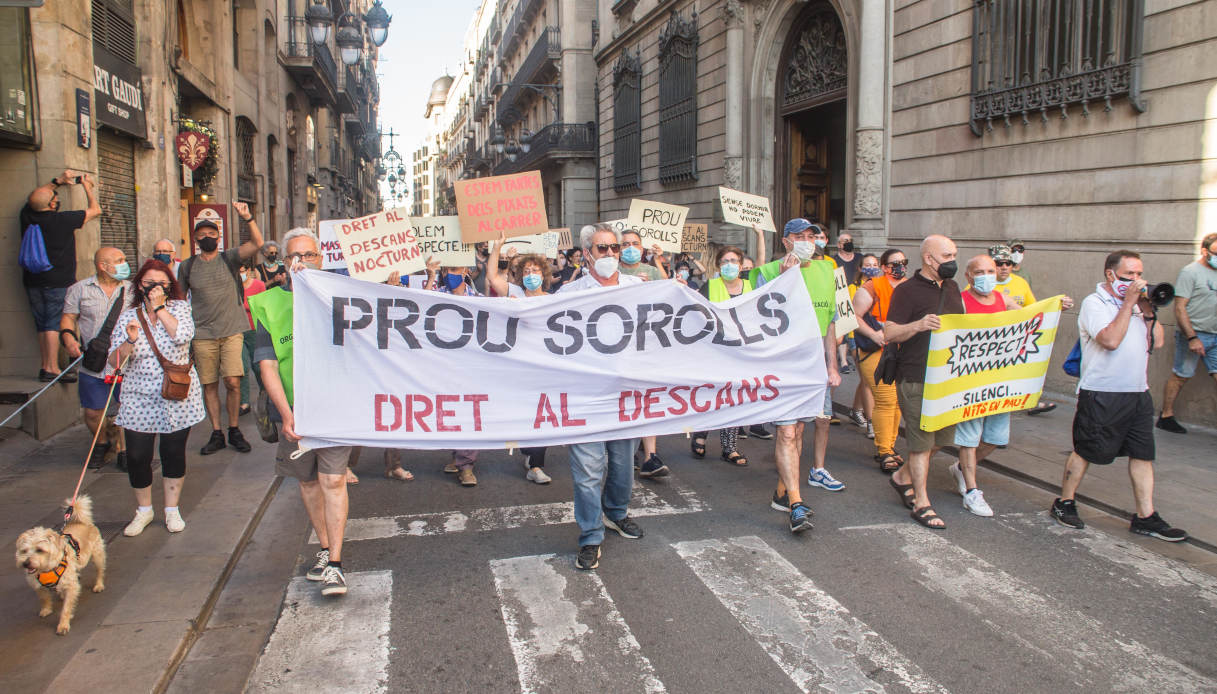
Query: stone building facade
[[295, 129]]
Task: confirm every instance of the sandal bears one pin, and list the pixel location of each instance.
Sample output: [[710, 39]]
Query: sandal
[[351, 478], [699, 449], [398, 473], [899, 458], [888, 463], [735, 458], [904, 490], [926, 516]]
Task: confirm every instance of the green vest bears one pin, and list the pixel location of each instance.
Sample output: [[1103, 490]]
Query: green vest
[[273, 309], [718, 289], [818, 276]]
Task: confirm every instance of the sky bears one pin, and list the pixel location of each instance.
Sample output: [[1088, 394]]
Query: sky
[[424, 39]]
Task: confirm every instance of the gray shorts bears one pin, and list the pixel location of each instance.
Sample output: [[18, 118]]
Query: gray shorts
[[328, 461], [910, 395]]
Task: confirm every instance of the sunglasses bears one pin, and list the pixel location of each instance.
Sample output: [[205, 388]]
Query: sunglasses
[[902, 263], [1003, 263], [606, 247], [149, 285]]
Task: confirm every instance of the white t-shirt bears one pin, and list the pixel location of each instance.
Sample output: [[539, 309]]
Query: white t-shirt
[[1119, 370], [587, 281]]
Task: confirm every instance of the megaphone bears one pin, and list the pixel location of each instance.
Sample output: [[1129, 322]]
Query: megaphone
[[1160, 294]]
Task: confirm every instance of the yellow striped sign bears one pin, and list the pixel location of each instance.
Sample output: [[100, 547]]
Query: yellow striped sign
[[988, 363]]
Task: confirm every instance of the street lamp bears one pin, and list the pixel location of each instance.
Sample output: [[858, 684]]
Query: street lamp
[[525, 140], [513, 150], [349, 40], [378, 23], [497, 140], [319, 19]]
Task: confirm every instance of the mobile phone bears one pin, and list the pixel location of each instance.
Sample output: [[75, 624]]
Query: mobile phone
[[78, 180]]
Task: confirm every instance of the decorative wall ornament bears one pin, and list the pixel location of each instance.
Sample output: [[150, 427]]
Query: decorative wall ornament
[[204, 144], [192, 148], [733, 171], [819, 62], [733, 13], [868, 174]]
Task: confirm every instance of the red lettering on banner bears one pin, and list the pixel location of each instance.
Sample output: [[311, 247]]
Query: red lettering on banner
[[545, 413], [684, 406], [650, 398], [723, 398], [381, 400], [621, 415], [412, 417], [749, 390], [693, 397], [770, 379], [477, 401], [566, 418], [441, 412]]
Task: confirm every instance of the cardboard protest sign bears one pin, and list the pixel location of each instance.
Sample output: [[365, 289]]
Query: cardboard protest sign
[[658, 223], [847, 320], [380, 244], [565, 240], [696, 242], [988, 363], [542, 244], [440, 238], [331, 250], [512, 204], [620, 225], [745, 209]]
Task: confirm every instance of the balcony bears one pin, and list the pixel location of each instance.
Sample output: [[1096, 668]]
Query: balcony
[[313, 68], [551, 144], [513, 34], [347, 90], [540, 65], [358, 123]]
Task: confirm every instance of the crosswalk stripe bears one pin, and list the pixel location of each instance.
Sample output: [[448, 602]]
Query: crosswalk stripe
[[1013, 608], [1150, 566], [645, 502], [565, 631], [813, 638], [336, 644]]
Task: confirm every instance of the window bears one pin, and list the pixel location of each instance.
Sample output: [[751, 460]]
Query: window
[[114, 27], [627, 131], [18, 123], [246, 183], [1029, 56], [678, 99]]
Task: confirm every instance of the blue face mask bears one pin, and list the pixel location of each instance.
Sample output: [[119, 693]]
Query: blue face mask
[[121, 271], [683, 274], [532, 281], [1213, 261], [821, 244], [453, 281], [163, 257], [631, 255], [984, 284], [872, 272], [729, 271]]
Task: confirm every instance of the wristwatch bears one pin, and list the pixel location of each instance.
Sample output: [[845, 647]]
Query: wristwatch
[[1193, 337], [158, 308]]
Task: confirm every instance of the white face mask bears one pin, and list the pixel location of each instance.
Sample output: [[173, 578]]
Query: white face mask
[[1017, 257], [605, 267], [804, 249]]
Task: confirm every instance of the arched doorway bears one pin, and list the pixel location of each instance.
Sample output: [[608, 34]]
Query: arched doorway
[[812, 84]]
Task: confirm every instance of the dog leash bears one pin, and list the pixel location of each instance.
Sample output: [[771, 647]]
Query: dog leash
[[44, 389], [114, 379]]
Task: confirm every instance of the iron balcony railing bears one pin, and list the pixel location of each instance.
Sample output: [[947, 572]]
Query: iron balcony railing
[[539, 64], [298, 45], [556, 140]]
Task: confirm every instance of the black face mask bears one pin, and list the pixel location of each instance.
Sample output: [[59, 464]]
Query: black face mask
[[948, 269], [848, 246], [898, 272], [208, 244], [503, 264]]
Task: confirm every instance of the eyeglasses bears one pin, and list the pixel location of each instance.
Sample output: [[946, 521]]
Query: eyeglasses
[[310, 256], [1003, 263], [902, 263], [606, 247]]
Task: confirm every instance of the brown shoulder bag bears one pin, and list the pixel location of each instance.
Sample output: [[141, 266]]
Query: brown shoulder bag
[[176, 385]]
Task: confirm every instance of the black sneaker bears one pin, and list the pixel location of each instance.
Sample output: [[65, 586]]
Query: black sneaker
[[1066, 513], [1169, 424], [215, 443], [1154, 526], [653, 467], [759, 431], [800, 518], [68, 377], [741, 433], [780, 503], [588, 557], [237, 440], [98, 459], [626, 527], [45, 376]]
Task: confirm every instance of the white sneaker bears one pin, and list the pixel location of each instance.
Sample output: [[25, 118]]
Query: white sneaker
[[870, 430], [333, 582], [137, 524], [858, 418], [173, 521], [957, 473], [974, 501], [538, 475]]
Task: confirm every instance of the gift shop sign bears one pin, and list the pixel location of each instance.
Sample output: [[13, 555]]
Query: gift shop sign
[[118, 92]]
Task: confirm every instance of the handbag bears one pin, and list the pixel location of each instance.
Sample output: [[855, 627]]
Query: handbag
[[1073, 362], [99, 347], [176, 385]]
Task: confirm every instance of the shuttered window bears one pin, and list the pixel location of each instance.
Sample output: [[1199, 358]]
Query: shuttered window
[[627, 130], [116, 193], [678, 99], [114, 27]]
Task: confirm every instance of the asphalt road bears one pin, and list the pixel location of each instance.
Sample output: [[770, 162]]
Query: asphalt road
[[456, 589]]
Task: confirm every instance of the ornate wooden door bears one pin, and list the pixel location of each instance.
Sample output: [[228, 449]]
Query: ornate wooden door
[[810, 175]]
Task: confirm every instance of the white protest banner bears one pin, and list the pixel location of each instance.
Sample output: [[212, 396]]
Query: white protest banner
[[425, 370], [440, 238], [745, 209], [658, 223], [542, 244], [513, 204], [847, 320], [331, 250], [380, 244]]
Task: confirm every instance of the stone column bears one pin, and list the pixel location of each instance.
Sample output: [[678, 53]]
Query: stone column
[[733, 163], [868, 222]]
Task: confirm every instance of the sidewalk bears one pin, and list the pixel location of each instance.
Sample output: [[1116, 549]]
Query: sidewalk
[[158, 585], [1185, 472]]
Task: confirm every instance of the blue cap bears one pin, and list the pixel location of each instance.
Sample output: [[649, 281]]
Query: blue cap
[[799, 224]]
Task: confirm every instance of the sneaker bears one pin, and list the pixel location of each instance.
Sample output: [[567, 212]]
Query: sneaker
[[173, 521], [1154, 526], [68, 377], [137, 524], [215, 443], [1169, 424], [626, 527], [538, 475], [45, 376], [450, 468], [317, 571], [333, 582], [741, 432], [957, 473], [467, 478], [975, 502], [1066, 513], [858, 418], [588, 557], [870, 430], [653, 467], [847, 369], [800, 518], [237, 440], [98, 460], [821, 477], [759, 431], [780, 503]]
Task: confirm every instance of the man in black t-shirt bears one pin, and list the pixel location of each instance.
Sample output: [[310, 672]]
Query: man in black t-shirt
[[46, 290]]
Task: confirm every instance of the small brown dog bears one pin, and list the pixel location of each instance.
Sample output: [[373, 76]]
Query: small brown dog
[[53, 561]]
